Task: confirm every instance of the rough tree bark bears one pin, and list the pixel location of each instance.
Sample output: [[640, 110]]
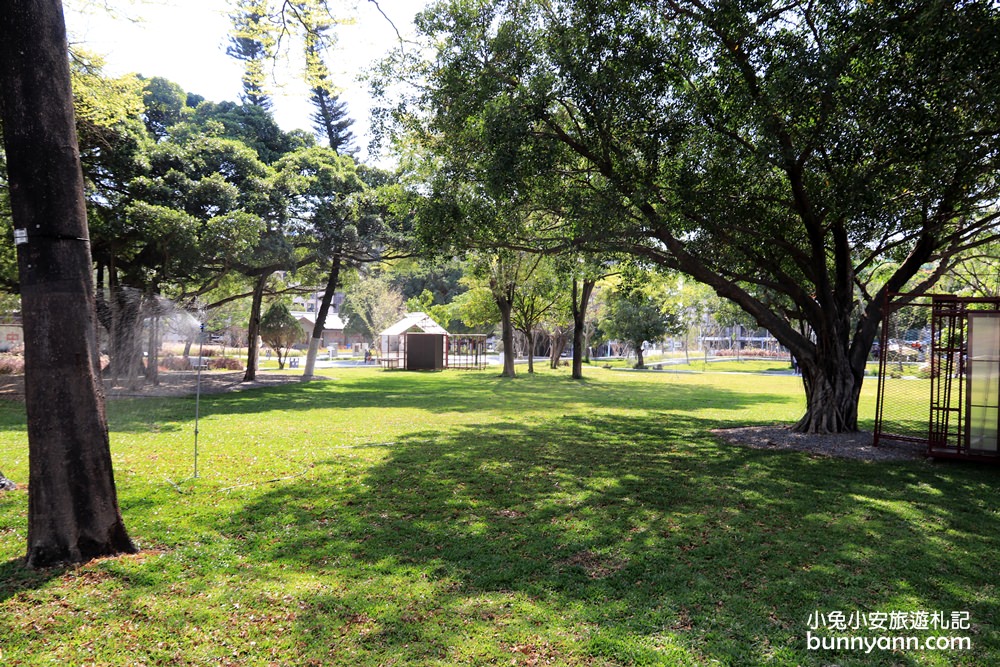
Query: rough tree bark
[[832, 396], [833, 372], [73, 513]]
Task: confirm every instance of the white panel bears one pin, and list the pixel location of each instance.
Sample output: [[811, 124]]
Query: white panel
[[984, 381]]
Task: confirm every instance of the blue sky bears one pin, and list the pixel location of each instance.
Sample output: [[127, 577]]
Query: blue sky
[[185, 41]]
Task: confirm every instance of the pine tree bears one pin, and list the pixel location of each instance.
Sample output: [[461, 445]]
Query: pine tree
[[330, 120], [253, 44]]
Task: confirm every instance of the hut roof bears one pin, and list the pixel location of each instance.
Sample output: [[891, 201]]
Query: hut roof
[[414, 322]]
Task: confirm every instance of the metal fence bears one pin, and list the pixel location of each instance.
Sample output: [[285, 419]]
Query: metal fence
[[902, 356], [926, 372]]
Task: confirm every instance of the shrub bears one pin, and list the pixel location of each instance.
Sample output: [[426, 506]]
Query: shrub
[[225, 363], [172, 363], [11, 364]]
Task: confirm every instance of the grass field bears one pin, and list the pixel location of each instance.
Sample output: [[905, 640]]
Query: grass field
[[389, 518]]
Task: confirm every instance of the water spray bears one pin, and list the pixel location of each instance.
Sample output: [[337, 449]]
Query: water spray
[[197, 395]]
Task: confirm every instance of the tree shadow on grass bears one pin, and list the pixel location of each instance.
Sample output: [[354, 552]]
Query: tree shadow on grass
[[449, 392], [631, 540], [16, 577], [455, 392]]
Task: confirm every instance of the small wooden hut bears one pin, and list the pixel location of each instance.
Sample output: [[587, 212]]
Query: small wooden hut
[[414, 343]]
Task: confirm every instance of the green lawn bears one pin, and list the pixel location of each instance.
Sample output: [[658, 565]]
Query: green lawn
[[457, 518]]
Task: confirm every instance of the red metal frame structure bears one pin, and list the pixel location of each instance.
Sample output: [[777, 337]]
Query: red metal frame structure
[[952, 386]]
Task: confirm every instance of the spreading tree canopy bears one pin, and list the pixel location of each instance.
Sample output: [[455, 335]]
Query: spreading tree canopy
[[801, 158], [164, 104]]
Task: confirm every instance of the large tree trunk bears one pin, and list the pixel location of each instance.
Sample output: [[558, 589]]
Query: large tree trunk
[[503, 296], [253, 333], [832, 374], [832, 393], [557, 343], [324, 310], [581, 298], [73, 513], [530, 336], [507, 337]]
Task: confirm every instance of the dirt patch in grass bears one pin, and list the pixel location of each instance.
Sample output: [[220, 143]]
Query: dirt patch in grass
[[841, 445], [595, 565], [532, 654]]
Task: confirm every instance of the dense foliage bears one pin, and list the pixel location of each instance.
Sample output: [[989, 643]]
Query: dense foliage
[[802, 159]]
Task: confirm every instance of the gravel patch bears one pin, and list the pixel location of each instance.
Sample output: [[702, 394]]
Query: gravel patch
[[856, 446], [185, 383], [172, 383]]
